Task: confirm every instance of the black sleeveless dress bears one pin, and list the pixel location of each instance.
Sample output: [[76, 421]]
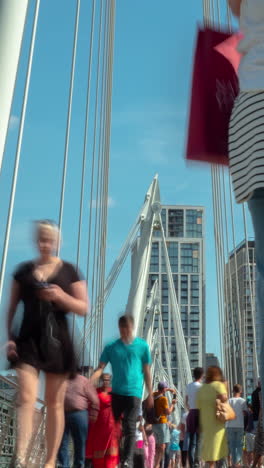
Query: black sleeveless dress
[[44, 340]]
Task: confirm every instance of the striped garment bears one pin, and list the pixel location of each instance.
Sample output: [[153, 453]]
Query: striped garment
[[246, 144]]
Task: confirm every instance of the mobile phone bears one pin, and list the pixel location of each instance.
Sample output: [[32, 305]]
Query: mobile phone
[[41, 285], [174, 396]]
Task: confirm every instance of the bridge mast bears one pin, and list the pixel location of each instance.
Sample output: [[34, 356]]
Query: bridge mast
[[12, 21]]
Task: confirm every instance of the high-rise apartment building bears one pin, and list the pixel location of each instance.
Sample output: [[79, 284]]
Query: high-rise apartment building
[[184, 233], [211, 360], [240, 339]]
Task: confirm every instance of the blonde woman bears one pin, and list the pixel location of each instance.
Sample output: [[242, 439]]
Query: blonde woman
[[48, 287]]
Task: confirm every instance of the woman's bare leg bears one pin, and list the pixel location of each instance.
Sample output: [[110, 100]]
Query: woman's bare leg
[[27, 395], [210, 464], [54, 397]]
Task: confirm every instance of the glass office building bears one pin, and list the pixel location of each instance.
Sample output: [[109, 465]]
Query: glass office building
[[240, 328], [184, 233]]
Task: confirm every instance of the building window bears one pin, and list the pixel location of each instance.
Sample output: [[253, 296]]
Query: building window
[[194, 226], [184, 312], [190, 258], [154, 259], [184, 289], [175, 223], [164, 290], [175, 282], [164, 220], [173, 255], [195, 289]]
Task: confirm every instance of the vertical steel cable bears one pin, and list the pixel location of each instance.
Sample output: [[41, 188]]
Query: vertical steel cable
[[117, 266], [228, 14], [252, 303], [103, 200], [99, 199], [92, 177], [86, 128], [95, 322], [229, 351], [237, 283], [208, 19], [101, 251], [218, 12], [222, 247], [18, 148], [217, 241], [183, 364], [85, 155], [212, 15], [107, 150], [68, 126]]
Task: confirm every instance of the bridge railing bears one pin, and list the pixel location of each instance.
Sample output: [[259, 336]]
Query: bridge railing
[[8, 422]]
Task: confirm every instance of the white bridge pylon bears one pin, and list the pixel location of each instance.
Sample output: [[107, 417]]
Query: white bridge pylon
[[144, 310]]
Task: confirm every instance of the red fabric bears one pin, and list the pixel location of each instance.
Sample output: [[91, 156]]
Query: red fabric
[[103, 436], [109, 461], [214, 88]]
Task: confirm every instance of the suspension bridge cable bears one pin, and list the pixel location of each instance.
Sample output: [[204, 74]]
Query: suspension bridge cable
[[107, 147], [237, 283], [229, 351], [222, 251], [216, 235], [98, 196], [69, 113], [84, 158], [94, 202], [183, 364], [115, 271], [252, 303]]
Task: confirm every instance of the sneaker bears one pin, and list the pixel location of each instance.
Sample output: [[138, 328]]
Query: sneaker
[[125, 464]]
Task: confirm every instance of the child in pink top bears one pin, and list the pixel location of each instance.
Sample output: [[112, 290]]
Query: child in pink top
[[149, 447]]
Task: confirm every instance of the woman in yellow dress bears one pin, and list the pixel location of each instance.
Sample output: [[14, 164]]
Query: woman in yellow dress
[[213, 435]]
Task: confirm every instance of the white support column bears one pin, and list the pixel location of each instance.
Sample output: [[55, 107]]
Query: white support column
[[12, 21], [141, 258]]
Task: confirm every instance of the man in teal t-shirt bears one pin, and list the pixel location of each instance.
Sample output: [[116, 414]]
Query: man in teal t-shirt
[[130, 360]]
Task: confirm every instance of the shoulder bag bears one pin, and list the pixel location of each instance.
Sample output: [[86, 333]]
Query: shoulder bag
[[224, 411]]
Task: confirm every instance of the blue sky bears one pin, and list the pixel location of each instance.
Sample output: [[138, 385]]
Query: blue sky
[[152, 72]]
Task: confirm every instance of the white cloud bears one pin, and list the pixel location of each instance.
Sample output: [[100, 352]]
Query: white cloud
[[20, 236], [13, 122], [156, 130], [110, 203], [148, 112], [154, 149]]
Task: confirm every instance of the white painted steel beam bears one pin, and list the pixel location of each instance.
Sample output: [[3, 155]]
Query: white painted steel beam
[[141, 257], [12, 22]]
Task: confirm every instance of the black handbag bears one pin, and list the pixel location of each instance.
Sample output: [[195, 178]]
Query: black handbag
[[50, 343]]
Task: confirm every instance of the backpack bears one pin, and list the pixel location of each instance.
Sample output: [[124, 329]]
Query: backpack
[[149, 414]]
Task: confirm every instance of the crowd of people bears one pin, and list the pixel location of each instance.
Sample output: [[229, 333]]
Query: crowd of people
[[109, 424], [199, 438]]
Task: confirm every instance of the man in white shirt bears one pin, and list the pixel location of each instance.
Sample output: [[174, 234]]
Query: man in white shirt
[[235, 428], [193, 416]]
